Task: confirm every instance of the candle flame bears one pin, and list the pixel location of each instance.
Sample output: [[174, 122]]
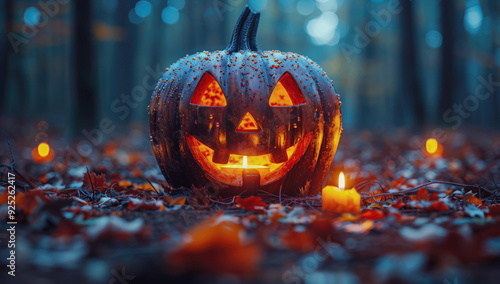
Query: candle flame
[[43, 149], [431, 145], [341, 181], [245, 162]]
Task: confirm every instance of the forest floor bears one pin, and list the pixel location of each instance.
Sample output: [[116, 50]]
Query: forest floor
[[111, 217]]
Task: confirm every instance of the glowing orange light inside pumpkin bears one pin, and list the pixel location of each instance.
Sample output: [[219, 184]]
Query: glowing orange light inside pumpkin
[[248, 124], [286, 92], [431, 145], [245, 162], [341, 181], [43, 149], [208, 92]]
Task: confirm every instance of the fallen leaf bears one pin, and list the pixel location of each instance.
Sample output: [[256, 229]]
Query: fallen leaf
[[472, 199], [372, 214], [216, 246], [298, 241], [94, 181], [138, 204], [251, 203]]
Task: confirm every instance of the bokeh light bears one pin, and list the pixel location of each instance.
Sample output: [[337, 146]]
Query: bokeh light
[[134, 18], [177, 4], [43, 149], [322, 29], [32, 16], [473, 17], [431, 145], [434, 39], [328, 5], [143, 8], [109, 5], [170, 15], [305, 7], [257, 5]]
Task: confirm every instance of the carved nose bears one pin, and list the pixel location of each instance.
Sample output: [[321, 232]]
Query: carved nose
[[248, 124]]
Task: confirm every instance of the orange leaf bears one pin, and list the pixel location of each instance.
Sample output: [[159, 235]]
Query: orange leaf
[[29, 201], [251, 203], [97, 180], [298, 241], [179, 200], [422, 194], [216, 246], [470, 198], [372, 214], [437, 206]]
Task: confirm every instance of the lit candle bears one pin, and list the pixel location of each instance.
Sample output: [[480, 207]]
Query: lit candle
[[250, 174], [339, 200], [237, 170]]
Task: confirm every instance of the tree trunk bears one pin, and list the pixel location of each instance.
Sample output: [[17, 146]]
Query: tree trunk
[[447, 58], [410, 76], [85, 81], [8, 9]]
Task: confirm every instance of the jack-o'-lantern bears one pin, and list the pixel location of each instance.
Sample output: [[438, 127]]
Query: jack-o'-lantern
[[244, 119]]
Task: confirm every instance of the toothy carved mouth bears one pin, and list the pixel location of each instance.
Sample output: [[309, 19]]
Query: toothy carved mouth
[[203, 155]]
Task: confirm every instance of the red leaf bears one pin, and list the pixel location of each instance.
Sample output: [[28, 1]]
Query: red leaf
[[372, 214], [97, 180], [251, 203], [437, 206], [422, 195]]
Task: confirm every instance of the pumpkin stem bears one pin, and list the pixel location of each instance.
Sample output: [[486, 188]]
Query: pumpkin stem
[[245, 32]]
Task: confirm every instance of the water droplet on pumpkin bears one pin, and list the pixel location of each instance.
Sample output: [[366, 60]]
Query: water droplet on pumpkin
[[295, 125], [217, 124], [298, 118], [211, 117]]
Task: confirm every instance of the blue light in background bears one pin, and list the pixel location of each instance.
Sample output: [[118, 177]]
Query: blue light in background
[[257, 5], [305, 7], [286, 6], [473, 18], [328, 5], [322, 29], [178, 4], [143, 8], [32, 16], [133, 18], [109, 5], [434, 39], [170, 15]]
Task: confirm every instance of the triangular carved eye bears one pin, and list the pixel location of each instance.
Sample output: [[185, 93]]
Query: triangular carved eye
[[208, 92], [286, 92]]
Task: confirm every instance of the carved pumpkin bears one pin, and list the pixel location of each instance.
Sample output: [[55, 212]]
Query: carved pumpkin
[[276, 111]]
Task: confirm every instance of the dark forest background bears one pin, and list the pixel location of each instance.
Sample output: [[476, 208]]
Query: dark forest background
[[412, 64]]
